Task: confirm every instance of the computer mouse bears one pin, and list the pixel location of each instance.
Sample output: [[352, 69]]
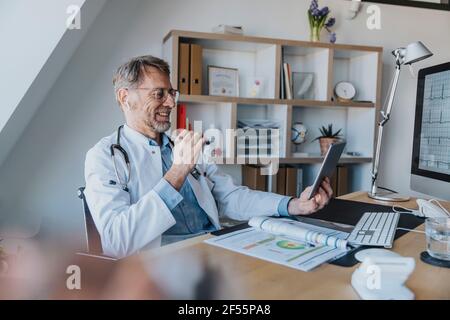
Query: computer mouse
[[375, 253]]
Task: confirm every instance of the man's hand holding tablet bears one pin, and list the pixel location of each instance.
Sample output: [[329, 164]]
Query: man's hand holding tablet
[[319, 194]]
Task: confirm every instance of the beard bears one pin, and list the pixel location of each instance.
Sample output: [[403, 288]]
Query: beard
[[159, 120], [159, 127]]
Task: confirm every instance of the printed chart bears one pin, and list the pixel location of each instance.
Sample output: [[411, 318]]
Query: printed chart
[[280, 249]]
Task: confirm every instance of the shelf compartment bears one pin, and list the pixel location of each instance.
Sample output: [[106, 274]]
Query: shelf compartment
[[359, 68], [253, 61], [278, 113], [264, 40], [359, 175], [311, 60], [205, 116], [356, 123]]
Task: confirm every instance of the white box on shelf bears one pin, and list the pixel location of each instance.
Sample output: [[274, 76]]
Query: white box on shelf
[[227, 29]]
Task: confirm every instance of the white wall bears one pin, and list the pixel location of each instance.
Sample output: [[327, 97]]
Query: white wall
[[25, 57], [20, 20], [41, 174]]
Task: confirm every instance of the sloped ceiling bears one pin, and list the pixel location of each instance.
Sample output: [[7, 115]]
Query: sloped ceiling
[[37, 47]]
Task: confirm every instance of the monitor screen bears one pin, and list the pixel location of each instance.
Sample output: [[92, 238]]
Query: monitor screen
[[431, 147]]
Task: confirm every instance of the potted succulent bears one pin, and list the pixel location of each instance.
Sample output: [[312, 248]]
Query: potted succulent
[[327, 138]]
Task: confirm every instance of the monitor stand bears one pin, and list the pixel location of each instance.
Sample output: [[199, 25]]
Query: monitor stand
[[384, 195]]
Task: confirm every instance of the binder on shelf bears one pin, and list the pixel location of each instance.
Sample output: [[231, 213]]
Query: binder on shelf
[[181, 116], [339, 181], [196, 69], [291, 182], [342, 180], [281, 181], [333, 183], [299, 181], [282, 86], [252, 178], [183, 68]]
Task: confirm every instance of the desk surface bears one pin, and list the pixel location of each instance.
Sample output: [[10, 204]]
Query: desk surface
[[265, 280]]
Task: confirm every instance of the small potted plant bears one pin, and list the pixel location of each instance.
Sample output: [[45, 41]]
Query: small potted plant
[[327, 138]]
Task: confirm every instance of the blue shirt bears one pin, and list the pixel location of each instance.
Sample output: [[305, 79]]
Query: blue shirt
[[191, 219]]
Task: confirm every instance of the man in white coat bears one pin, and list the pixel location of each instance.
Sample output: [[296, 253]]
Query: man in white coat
[[162, 196]]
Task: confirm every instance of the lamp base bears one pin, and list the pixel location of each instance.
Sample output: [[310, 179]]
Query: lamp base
[[383, 195]]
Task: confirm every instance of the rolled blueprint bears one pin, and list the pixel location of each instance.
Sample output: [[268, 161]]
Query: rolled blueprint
[[293, 230]]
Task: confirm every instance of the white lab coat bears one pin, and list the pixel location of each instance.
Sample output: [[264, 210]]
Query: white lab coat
[[129, 222]]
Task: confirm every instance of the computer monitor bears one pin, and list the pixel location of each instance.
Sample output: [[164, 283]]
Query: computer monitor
[[430, 167]]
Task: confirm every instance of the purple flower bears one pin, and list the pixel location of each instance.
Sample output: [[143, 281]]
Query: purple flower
[[330, 22], [316, 13], [314, 5], [333, 37], [324, 11]]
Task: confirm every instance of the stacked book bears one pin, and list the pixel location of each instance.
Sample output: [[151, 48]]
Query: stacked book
[[227, 29], [286, 82]]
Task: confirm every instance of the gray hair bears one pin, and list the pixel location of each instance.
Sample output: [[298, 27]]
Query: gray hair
[[132, 72]]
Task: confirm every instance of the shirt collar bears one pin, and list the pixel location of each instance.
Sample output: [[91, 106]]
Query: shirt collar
[[164, 141], [137, 137]]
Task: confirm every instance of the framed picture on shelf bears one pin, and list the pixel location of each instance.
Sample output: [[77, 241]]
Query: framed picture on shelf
[[303, 85], [223, 81]]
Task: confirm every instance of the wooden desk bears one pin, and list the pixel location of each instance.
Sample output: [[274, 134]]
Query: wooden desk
[[264, 280]]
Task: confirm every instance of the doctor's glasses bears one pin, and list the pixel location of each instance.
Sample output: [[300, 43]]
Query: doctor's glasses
[[160, 95]]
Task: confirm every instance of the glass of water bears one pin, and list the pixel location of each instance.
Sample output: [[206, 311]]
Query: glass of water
[[438, 237]]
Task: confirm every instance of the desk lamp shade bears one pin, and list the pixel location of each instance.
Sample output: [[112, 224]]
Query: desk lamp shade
[[413, 53]]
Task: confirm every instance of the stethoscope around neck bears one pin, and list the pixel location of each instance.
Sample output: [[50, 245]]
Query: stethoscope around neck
[[116, 147]]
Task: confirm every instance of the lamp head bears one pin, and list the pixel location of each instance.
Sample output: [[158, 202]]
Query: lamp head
[[412, 53]]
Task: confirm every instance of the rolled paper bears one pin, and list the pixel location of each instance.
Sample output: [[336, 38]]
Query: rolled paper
[[292, 230]]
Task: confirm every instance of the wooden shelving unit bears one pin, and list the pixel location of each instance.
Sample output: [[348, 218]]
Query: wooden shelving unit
[[265, 101], [299, 160], [263, 57]]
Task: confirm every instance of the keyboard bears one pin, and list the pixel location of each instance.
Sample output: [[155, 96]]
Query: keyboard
[[375, 229]]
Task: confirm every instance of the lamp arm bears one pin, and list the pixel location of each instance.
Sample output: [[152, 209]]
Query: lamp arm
[[385, 118]]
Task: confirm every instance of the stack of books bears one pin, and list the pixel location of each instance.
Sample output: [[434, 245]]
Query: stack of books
[[227, 29]]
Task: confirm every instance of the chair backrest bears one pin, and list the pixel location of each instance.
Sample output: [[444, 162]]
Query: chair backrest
[[94, 244]]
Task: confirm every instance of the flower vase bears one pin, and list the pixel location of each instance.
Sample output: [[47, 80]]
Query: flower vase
[[315, 34]]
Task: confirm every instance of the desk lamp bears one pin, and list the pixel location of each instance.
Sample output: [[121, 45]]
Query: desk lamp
[[413, 53]]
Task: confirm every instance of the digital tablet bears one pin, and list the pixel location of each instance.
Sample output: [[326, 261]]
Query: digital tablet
[[328, 165]]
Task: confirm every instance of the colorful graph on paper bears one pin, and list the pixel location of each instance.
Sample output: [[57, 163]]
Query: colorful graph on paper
[[435, 136], [281, 249]]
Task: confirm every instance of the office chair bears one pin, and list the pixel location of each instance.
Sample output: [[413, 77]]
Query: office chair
[[94, 244]]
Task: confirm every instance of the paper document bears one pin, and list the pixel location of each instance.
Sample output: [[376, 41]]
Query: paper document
[[282, 249], [290, 228]]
